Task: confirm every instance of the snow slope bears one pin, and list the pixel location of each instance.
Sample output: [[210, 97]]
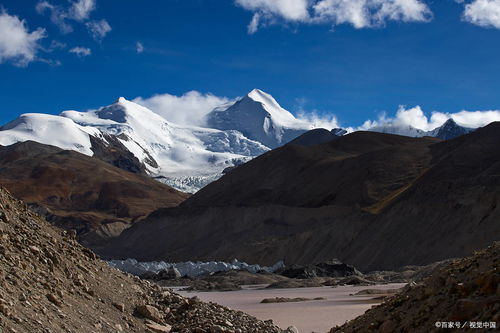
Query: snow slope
[[49, 130], [259, 117], [176, 153]]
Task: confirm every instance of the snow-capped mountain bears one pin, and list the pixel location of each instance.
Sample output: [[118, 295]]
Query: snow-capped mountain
[[49, 130], [449, 130], [259, 117], [184, 157]]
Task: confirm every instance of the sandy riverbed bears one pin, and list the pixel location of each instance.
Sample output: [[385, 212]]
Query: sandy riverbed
[[310, 316]]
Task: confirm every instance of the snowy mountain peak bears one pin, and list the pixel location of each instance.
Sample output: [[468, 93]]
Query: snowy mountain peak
[[449, 130], [259, 117], [270, 105], [449, 123]]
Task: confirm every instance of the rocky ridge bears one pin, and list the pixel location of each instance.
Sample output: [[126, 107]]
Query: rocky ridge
[[50, 283], [465, 291]]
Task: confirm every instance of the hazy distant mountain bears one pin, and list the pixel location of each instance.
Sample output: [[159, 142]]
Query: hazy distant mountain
[[449, 130]]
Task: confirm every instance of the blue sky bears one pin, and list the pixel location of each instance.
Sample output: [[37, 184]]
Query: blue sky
[[442, 61]]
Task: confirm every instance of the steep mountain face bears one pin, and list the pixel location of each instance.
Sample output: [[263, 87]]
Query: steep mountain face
[[450, 130], [373, 200], [81, 193], [259, 117], [50, 283]]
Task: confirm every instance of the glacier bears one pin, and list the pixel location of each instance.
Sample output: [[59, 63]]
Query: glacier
[[189, 268]]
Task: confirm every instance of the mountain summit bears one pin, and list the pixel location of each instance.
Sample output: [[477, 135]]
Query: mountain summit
[[259, 117]]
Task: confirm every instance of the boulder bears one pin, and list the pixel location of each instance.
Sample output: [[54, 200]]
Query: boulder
[[149, 312]]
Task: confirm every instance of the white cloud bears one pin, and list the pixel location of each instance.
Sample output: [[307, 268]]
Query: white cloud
[[317, 120], [313, 117], [17, 43], [98, 29], [484, 13], [370, 13], [358, 13], [58, 15], [80, 10], [188, 109], [415, 117], [81, 51], [139, 47], [475, 118]]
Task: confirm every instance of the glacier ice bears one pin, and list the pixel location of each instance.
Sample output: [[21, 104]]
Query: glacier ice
[[189, 268]]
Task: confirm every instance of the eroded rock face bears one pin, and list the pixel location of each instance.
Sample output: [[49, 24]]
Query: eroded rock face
[[331, 268], [465, 290], [50, 283]]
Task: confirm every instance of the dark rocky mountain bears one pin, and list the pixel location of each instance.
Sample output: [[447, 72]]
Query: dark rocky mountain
[[109, 149], [450, 130], [82, 193], [376, 201], [315, 137]]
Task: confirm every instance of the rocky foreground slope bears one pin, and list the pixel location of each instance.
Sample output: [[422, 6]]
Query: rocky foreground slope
[[463, 293], [49, 283]]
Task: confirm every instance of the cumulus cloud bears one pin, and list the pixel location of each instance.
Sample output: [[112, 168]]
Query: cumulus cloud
[[358, 13], [317, 120], [98, 29], [17, 43], [81, 51], [484, 13], [188, 109], [475, 119], [416, 118], [313, 117], [139, 48]]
